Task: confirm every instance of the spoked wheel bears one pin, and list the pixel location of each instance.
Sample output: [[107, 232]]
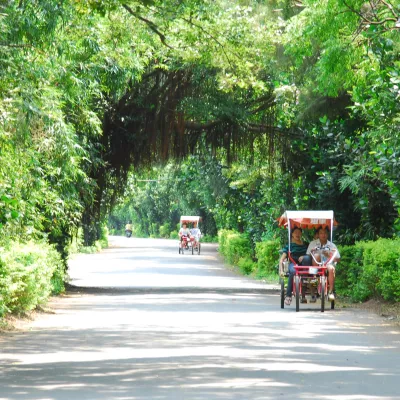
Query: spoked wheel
[[192, 249], [297, 283], [179, 249], [198, 248], [333, 305], [323, 294], [282, 282]]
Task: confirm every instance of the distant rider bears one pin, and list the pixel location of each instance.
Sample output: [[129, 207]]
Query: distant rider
[[128, 229], [195, 232], [184, 233]]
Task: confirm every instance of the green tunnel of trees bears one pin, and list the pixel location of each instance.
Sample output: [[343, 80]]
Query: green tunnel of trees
[[236, 109]]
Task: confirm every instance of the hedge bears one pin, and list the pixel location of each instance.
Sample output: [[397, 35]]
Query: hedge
[[237, 250], [370, 269], [366, 270], [29, 274], [234, 245], [267, 254]]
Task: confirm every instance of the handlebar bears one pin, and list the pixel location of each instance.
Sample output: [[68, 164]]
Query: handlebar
[[321, 250]]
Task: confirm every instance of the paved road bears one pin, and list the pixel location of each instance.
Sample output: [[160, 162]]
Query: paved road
[[148, 323]]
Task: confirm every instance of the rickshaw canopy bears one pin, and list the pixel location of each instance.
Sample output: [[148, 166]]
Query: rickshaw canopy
[[308, 219], [189, 218]]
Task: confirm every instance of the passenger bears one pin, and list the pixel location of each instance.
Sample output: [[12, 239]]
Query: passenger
[[184, 233], [323, 234], [195, 232], [298, 249]]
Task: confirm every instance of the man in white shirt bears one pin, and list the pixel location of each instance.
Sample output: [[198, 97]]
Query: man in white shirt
[[195, 232], [322, 241]]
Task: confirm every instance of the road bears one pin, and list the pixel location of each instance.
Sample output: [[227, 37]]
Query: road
[[147, 323]]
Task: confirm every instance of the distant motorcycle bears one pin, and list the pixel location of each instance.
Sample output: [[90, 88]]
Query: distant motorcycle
[[128, 233]]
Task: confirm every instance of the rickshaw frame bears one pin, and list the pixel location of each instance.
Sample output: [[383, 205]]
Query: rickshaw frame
[[308, 275], [185, 219]]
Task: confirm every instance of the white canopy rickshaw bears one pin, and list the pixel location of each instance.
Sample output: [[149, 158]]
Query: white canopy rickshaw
[[193, 242]]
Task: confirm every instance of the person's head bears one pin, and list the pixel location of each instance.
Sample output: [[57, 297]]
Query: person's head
[[297, 232], [194, 224], [184, 226], [323, 234]]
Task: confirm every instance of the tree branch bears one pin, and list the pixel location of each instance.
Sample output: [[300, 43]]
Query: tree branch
[[150, 24], [390, 7], [197, 126], [17, 46], [212, 37], [375, 12]]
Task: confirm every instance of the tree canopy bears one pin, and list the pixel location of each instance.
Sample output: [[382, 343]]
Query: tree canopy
[[281, 104]]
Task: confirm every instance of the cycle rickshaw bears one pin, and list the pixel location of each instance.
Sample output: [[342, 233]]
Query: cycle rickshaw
[[312, 279], [191, 243]]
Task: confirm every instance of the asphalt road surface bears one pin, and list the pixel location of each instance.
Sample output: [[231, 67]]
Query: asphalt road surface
[[144, 322]]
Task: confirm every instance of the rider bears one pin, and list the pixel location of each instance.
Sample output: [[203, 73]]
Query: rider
[[298, 250], [195, 232], [128, 227], [184, 232], [322, 241]]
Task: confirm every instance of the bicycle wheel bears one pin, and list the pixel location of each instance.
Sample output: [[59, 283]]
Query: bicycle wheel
[[323, 295], [297, 283]]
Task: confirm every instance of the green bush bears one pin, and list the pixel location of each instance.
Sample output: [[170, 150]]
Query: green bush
[[233, 246], [349, 272], [267, 254], [165, 230], [223, 235], [174, 235], [246, 265], [29, 273], [154, 231], [138, 233], [209, 239], [370, 269], [103, 241], [238, 246]]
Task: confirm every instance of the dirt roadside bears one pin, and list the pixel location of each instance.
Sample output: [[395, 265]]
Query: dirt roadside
[[389, 311]]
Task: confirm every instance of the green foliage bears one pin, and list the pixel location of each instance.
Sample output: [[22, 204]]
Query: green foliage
[[29, 273], [238, 246], [246, 265], [209, 239], [293, 107], [174, 235], [233, 246], [267, 254], [165, 230], [223, 238], [370, 269]]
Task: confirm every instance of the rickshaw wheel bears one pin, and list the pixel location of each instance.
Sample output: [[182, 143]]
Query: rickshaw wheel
[[297, 283], [192, 249], [179, 249], [198, 248], [333, 305], [323, 282], [282, 282]]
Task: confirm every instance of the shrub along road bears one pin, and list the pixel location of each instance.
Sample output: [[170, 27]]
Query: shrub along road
[[143, 322]]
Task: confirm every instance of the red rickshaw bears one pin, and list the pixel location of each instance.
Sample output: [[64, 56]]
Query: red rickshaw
[[312, 279], [192, 242]]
